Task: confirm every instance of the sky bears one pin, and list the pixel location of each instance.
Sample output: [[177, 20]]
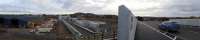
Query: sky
[[103, 7], [165, 8], [58, 6]]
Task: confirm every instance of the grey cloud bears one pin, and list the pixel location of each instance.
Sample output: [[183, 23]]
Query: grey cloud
[[175, 8], [183, 8], [93, 6]]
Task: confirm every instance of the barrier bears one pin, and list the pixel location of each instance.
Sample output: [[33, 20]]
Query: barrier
[[78, 35], [75, 32], [126, 24]]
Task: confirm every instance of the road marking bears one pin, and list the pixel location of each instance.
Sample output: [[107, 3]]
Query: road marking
[[156, 30], [174, 38], [161, 32], [194, 32]]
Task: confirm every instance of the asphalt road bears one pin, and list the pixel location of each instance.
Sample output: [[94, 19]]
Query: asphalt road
[[186, 32], [146, 33]]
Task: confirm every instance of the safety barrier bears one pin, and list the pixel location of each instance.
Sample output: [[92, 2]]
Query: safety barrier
[[77, 34]]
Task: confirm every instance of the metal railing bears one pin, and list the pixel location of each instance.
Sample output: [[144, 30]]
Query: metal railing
[[78, 35], [75, 32]]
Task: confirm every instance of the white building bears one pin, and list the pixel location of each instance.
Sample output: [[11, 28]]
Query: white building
[[126, 24]]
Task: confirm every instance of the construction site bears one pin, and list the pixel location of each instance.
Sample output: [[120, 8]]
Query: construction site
[[56, 27]]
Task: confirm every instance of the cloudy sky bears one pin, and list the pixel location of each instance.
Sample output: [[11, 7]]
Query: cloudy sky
[[138, 7], [165, 7], [58, 6]]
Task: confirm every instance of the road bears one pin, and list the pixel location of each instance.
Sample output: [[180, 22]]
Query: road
[[146, 33], [186, 33]]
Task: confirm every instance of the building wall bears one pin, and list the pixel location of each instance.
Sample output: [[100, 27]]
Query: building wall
[[126, 24]]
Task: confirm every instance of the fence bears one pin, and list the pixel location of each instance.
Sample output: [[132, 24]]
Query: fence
[[77, 34]]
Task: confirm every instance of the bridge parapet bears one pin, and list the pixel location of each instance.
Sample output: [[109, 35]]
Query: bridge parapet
[[80, 34]]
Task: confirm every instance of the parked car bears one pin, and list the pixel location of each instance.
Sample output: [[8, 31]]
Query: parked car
[[169, 26]]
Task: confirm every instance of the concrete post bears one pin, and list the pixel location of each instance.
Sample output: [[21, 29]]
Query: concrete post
[[126, 24]]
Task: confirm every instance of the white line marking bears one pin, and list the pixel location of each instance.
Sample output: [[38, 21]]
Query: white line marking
[[156, 30], [175, 38], [194, 32], [163, 33]]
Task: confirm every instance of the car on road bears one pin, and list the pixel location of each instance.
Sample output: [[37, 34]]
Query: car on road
[[168, 26]]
